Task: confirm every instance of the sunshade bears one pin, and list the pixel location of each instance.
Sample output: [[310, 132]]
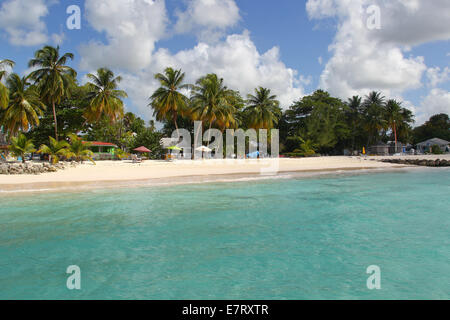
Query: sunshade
[[174, 148], [142, 149], [203, 149]]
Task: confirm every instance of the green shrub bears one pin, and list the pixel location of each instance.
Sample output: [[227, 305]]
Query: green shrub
[[436, 149]]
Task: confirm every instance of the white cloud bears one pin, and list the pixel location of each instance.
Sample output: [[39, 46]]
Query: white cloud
[[208, 18], [236, 59], [132, 27], [22, 20], [436, 76], [362, 60], [437, 101]]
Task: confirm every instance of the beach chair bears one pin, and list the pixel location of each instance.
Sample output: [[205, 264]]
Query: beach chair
[[136, 159]]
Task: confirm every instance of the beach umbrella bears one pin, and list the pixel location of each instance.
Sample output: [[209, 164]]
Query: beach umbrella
[[203, 149], [142, 149], [174, 148]]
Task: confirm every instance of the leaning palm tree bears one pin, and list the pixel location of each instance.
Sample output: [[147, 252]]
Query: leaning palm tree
[[105, 99], [79, 150], [20, 146], [25, 106], [55, 150], [53, 77], [167, 101], [393, 116], [212, 101], [4, 94], [263, 109]]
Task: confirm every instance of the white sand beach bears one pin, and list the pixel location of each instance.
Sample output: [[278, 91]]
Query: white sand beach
[[105, 171]]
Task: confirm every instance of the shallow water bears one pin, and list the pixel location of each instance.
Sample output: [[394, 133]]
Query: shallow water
[[309, 238]]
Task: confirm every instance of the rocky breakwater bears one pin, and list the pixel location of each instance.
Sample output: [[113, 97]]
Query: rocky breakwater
[[420, 162], [33, 168]]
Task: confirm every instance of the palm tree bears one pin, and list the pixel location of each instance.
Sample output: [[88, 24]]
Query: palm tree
[[167, 101], [212, 101], [55, 150], [263, 109], [105, 98], [4, 94], [20, 146], [354, 115], [394, 117], [25, 106], [374, 109], [53, 77], [79, 150]]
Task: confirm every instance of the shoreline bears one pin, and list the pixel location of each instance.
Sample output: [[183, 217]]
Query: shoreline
[[116, 175]]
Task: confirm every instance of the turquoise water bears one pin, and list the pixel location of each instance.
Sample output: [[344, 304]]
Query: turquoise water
[[294, 238]]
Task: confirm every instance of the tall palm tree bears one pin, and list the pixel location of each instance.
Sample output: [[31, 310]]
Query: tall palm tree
[[105, 98], [354, 115], [4, 94], [55, 150], [20, 146], [263, 109], [53, 77], [25, 106], [393, 116], [212, 101], [374, 109], [168, 101], [79, 150]]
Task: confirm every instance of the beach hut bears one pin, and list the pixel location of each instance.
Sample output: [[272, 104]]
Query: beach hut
[[426, 146], [102, 150]]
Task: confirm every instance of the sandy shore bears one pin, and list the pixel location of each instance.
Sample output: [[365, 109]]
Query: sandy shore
[[107, 172]]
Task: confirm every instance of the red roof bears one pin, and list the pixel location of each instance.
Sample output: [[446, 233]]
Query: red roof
[[100, 144]]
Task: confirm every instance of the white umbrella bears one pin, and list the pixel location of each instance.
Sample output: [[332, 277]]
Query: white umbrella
[[203, 149]]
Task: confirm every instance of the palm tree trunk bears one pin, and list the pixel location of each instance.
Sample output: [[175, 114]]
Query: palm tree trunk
[[176, 124], [56, 120]]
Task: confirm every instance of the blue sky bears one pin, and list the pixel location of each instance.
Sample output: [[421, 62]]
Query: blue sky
[[293, 47]]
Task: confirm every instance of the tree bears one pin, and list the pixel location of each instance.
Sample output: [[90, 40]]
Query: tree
[[263, 109], [105, 98], [53, 77], [20, 146], [374, 110], [212, 101], [25, 106], [354, 119], [399, 120], [55, 150], [438, 126], [168, 101], [70, 117], [4, 94], [79, 150]]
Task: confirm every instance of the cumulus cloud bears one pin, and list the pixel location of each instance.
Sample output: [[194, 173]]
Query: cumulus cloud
[[131, 27], [437, 101], [23, 22], [236, 59], [365, 59], [208, 18], [437, 76]]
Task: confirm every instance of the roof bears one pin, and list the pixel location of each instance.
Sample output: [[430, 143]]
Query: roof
[[100, 144], [434, 141]]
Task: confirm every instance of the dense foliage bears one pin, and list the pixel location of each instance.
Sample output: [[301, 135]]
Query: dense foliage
[[50, 103]]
